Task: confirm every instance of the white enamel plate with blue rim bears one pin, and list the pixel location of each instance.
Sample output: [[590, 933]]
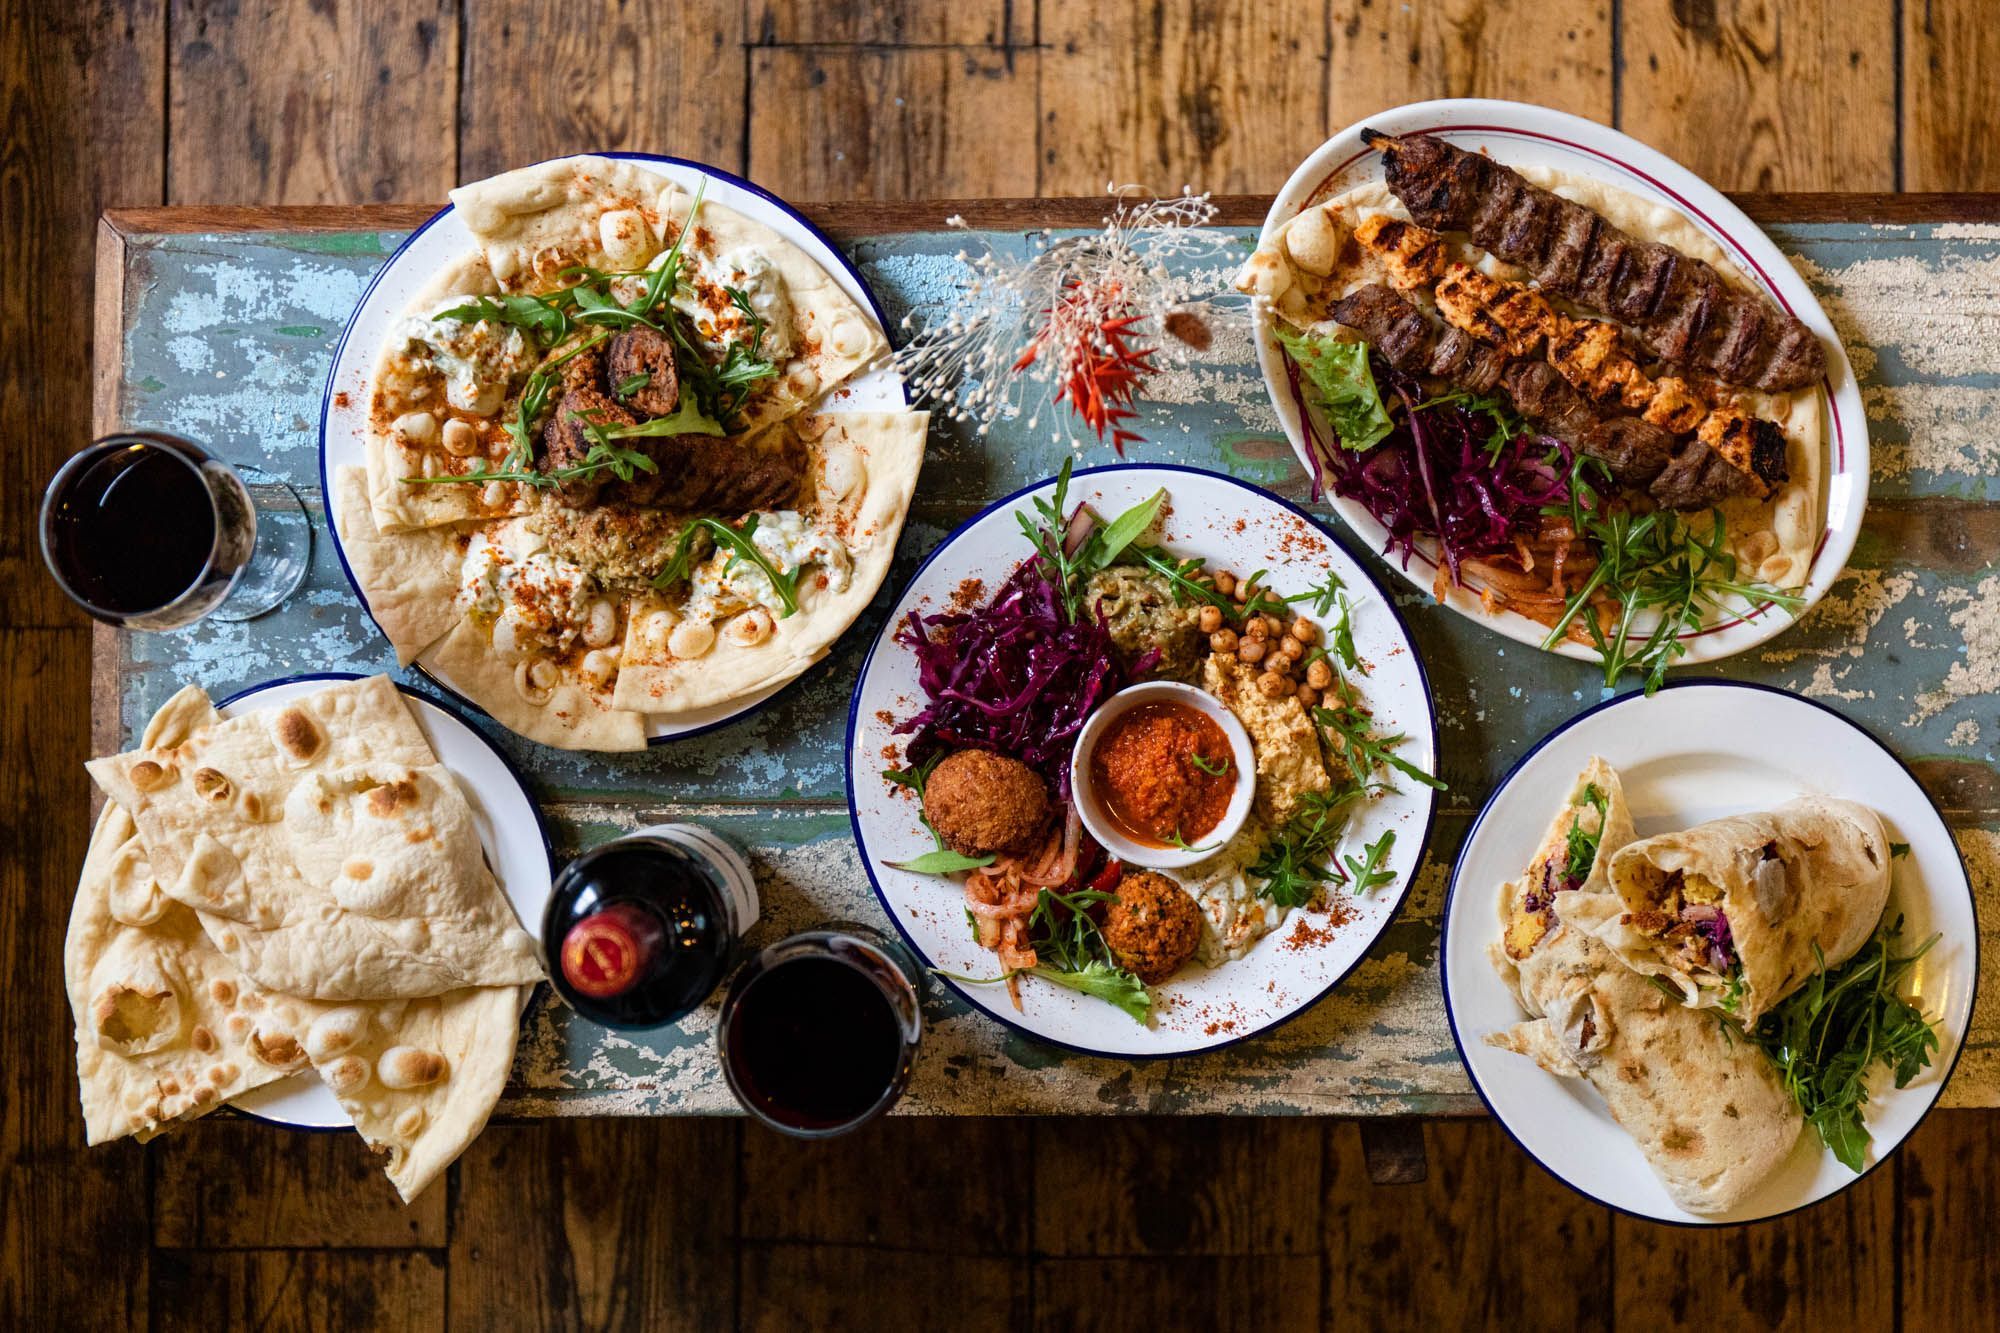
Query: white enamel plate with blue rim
[[1232, 526], [510, 830], [444, 240], [1522, 135], [1697, 751]]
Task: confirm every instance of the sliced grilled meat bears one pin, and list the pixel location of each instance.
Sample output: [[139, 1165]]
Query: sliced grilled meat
[[1634, 449], [707, 475], [565, 443], [643, 351], [1408, 340], [1681, 309], [1697, 478]]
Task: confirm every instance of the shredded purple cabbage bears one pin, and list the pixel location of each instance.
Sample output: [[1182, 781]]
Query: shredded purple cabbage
[[1014, 676], [1434, 476]]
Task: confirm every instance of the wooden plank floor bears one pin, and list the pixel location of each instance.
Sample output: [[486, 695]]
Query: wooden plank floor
[[1058, 1224]]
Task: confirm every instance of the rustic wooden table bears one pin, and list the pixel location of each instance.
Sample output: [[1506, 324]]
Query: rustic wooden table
[[220, 323]]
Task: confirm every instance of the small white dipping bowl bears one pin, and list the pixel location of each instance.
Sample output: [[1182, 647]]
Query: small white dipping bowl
[[1098, 819]]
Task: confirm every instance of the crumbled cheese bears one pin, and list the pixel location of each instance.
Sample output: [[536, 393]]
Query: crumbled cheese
[[480, 361], [724, 584]]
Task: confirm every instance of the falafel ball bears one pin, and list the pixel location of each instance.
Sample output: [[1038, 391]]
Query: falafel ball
[[1152, 926], [983, 803]]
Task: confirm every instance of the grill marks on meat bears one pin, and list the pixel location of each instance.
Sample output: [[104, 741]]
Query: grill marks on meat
[[707, 474], [643, 351], [693, 473], [1637, 452], [1591, 355], [1683, 311], [1409, 341]]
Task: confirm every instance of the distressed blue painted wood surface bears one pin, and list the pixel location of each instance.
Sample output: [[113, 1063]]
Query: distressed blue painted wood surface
[[228, 338]]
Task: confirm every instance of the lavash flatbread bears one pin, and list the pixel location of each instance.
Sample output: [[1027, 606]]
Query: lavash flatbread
[[1310, 261], [167, 1027], [212, 811], [1526, 903], [1706, 1109], [1823, 885], [411, 577], [863, 472], [1708, 1112], [419, 1077], [407, 412]]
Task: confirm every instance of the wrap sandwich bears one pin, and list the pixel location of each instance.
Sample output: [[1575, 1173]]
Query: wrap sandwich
[[1738, 913], [1707, 1110]]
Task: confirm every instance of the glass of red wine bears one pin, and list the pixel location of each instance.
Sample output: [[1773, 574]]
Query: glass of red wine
[[819, 1031], [150, 531]]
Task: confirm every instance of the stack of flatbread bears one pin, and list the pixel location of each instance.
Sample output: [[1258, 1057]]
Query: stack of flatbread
[[299, 886]]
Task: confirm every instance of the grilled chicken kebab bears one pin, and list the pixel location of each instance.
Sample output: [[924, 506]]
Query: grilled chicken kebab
[[1589, 353], [1680, 308]]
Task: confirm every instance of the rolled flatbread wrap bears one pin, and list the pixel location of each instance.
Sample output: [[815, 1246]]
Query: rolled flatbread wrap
[[1592, 824], [1704, 1106], [1738, 913]]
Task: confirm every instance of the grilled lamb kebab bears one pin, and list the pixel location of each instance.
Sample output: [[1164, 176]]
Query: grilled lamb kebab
[[1678, 474], [1589, 353], [1681, 309]]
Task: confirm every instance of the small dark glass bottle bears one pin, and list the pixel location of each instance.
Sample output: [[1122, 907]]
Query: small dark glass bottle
[[641, 930]]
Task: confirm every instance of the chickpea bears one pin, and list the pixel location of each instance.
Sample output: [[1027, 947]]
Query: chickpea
[[1251, 651], [1255, 628], [1210, 619], [1273, 626], [1305, 631], [1225, 582], [1319, 675], [1282, 661], [1308, 696], [1273, 686], [1222, 641]]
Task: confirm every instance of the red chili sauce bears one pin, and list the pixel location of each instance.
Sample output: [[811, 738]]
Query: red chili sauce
[[1165, 773]]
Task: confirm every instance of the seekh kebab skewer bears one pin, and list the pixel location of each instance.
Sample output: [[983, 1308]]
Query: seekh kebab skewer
[[1589, 353], [1681, 309], [1678, 474]]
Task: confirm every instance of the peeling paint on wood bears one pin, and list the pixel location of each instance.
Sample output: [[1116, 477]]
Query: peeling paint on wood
[[228, 339]]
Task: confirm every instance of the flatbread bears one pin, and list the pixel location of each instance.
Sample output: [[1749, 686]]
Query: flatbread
[[1527, 904], [1310, 261], [411, 577], [1813, 874], [566, 711], [864, 471], [407, 412], [167, 1027], [534, 222], [1706, 1108], [418, 1077], [311, 908]]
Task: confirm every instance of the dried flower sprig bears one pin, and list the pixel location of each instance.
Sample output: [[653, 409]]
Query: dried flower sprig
[[1062, 326]]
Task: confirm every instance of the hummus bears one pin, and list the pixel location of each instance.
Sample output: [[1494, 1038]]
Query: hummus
[[623, 546], [1287, 744]]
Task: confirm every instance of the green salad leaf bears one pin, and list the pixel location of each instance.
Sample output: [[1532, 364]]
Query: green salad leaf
[[1343, 386], [1827, 1037]]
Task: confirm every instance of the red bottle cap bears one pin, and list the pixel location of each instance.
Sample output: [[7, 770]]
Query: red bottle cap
[[609, 952]]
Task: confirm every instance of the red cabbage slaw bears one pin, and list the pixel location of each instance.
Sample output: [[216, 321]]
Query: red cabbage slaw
[[1439, 475], [1016, 676]]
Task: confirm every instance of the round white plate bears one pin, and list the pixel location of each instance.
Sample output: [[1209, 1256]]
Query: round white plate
[[1699, 750], [1231, 525], [510, 829], [1523, 135], [343, 415]]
